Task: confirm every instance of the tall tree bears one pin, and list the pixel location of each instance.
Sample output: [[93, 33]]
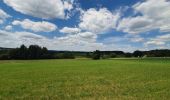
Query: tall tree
[[23, 52], [138, 53], [96, 55], [34, 52]]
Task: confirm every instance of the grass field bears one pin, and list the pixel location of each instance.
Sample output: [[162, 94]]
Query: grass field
[[140, 79]]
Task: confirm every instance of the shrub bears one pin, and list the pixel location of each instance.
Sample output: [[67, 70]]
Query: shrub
[[4, 57]]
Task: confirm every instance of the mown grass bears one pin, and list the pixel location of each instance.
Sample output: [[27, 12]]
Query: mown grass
[[135, 79]]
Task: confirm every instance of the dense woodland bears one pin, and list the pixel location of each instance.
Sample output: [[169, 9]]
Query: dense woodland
[[37, 52]]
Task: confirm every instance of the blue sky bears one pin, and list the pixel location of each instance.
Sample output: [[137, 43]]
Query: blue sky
[[86, 25]]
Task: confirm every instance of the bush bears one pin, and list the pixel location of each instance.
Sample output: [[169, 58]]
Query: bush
[[4, 57], [128, 55], [88, 55], [68, 55], [113, 55], [106, 57], [65, 55]]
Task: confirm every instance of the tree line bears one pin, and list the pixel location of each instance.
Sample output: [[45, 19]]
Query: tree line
[[37, 52], [137, 54], [32, 52]]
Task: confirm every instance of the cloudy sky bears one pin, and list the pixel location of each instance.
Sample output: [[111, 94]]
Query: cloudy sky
[[86, 25]]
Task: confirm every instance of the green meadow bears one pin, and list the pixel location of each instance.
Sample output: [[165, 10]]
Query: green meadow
[[85, 79]]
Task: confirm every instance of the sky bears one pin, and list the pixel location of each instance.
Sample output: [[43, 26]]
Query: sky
[[86, 25]]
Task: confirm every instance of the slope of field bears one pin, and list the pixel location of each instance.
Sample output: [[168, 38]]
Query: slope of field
[[119, 79]]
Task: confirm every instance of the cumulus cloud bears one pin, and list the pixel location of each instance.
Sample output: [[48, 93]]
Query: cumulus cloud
[[70, 30], [153, 16], [82, 37], [135, 25], [88, 35], [3, 16], [98, 21], [46, 9], [93, 22], [36, 26]]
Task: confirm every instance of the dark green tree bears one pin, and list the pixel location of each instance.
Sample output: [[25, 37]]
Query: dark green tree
[[138, 53], [128, 55], [96, 55], [23, 52], [35, 52], [113, 55], [68, 55]]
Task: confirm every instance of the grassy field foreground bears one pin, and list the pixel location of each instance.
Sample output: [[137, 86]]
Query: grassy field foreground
[[85, 79]]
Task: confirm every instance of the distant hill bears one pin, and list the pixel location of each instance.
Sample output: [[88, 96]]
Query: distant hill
[[2, 48]]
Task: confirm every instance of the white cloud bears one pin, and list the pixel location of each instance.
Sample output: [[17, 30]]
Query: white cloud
[[153, 8], [8, 27], [70, 30], [45, 9], [3, 16], [120, 47], [155, 14], [36, 26], [98, 21], [154, 43], [81, 41], [28, 35], [14, 39], [68, 5], [88, 35], [137, 39], [159, 40], [134, 38], [165, 28], [135, 25], [82, 37]]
